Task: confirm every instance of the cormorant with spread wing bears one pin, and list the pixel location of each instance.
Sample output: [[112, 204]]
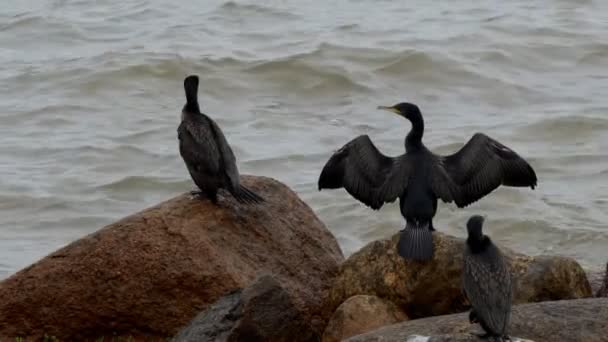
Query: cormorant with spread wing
[[486, 282], [419, 177], [206, 152]]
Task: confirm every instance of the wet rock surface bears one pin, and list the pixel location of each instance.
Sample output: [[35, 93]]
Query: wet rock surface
[[578, 320]]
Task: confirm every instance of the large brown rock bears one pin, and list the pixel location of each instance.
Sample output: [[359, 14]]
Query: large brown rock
[[360, 314], [433, 288], [149, 274], [578, 320], [261, 312]]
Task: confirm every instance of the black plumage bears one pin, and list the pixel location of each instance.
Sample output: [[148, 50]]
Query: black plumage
[[419, 177], [486, 282], [206, 152]]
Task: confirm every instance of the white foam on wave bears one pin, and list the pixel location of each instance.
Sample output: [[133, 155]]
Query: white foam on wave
[[418, 338]]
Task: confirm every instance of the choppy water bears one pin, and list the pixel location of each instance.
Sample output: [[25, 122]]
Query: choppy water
[[90, 96]]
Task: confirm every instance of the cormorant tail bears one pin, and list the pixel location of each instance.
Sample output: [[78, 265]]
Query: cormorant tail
[[416, 242], [244, 195]]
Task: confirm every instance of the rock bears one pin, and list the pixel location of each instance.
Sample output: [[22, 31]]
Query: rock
[[262, 312], [361, 314], [578, 320], [455, 338], [149, 274], [433, 288]]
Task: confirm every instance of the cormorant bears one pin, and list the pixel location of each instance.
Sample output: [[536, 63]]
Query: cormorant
[[486, 282], [206, 152], [419, 177]]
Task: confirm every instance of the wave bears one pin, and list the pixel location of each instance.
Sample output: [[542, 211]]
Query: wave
[[441, 71], [564, 128], [596, 54], [235, 8], [298, 74], [143, 183]]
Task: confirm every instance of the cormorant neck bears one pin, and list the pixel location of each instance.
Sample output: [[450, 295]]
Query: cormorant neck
[[414, 137], [191, 90], [478, 244], [192, 107]]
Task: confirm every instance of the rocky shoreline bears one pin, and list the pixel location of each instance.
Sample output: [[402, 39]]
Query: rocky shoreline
[[186, 270]]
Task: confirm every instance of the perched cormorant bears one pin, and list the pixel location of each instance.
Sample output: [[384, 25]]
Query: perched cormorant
[[419, 177], [486, 282], [206, 152]]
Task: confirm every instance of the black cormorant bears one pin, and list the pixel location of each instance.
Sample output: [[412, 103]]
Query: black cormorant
[[419, 177], [206, 152], [486, 282]]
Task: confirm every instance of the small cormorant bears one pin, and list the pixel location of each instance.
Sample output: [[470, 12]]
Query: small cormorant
[[206, 152], [486, 282], [419, 177]]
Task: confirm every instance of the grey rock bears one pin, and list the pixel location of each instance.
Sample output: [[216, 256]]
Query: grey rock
[[578, 320], [262, 312], [455, 338]]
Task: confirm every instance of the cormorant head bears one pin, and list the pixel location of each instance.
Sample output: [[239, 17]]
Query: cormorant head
[[474, 226], [191, 88], [405, 109], [191, 84]]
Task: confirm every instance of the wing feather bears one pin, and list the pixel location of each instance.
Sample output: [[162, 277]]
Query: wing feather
[[482, 165], [488, 286], [365, 173], [198, 148], [205, 148], [227, 158], [441, 183]]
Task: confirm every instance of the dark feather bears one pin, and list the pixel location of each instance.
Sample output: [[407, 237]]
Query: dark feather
[[482, 165], [227, 158], [367, 174], [244, 195], [197, 145], [487, 284], [416, 242]]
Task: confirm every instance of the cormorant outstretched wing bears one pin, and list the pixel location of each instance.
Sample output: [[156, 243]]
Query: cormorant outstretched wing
[[367, 174], [482, 165], [487, 284]]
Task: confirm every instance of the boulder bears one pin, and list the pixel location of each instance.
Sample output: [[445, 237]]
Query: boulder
[[149, 274], [578, 320], [433, 288], [361, 314], [262, 312], [455, 338]]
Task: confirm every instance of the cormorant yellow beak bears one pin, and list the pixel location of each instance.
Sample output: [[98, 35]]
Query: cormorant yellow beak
[[390, 109]]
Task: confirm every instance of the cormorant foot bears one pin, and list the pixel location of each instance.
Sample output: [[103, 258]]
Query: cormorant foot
[[201, 195], [490, 337], [473, 317], [481, 335]]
